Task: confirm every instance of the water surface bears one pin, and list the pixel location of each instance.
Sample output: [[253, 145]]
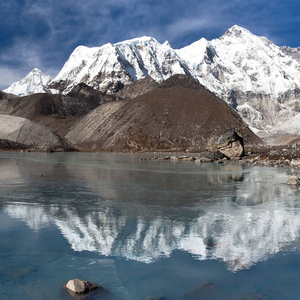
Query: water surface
[[180, 230]]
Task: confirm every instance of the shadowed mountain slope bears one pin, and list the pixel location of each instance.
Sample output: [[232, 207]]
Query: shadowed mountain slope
[[57, 112], [180, 114], [4, 96]]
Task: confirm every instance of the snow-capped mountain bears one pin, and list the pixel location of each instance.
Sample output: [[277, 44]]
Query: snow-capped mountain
[[35, 82], [257, 78], [110, 67]]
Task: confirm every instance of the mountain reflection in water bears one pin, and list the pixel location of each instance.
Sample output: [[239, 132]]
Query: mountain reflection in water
[[145, 211]]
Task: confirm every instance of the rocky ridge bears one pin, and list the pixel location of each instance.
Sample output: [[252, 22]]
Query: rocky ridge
[[179, 114]]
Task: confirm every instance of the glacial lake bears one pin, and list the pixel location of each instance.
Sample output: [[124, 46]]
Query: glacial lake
[[142, 229]]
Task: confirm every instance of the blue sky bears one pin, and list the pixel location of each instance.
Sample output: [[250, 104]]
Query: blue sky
[[43, 33]]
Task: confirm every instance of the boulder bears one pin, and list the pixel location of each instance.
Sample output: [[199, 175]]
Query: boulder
[[294, 180], [190, 158], [229, 143], [79, 286], [295, 163]]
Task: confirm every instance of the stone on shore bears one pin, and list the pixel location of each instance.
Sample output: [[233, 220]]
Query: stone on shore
[[79, 286], [211, 155], [295, 163], [229, 143], [190, 158], [294, 180]]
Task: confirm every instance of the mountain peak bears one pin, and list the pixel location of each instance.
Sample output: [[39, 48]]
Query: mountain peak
[[36, 71], [167, 44], [35, 82], [236, 31], [144, 40]]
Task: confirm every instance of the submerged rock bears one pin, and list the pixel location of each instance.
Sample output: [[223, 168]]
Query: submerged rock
[[79, 286], [251, 297], [207, 290], [294, 181], [229, 143]]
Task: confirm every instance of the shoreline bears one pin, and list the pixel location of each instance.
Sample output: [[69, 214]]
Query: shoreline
[[283, 156]]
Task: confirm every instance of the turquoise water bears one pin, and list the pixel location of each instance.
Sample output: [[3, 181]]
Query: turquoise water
[[177, 230]]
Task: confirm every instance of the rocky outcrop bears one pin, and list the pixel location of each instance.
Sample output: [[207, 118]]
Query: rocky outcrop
[[138, 88], [11, 145], [229, 143]]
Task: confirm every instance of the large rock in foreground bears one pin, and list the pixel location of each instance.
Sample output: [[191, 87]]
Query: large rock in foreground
[[229, 143], [79, 286]]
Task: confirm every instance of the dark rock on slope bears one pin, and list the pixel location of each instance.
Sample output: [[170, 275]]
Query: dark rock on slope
[[179, 114], [4, 96], [138, 88], [11, 145], [87, 94]]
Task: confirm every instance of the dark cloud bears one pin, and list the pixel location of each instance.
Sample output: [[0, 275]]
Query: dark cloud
[[43, 33]]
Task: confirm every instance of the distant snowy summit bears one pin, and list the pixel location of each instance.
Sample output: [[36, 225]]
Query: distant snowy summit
[[35, 82], [257, 78]]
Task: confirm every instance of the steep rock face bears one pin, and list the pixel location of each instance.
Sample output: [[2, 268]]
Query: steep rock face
[[25, 132], [179, 114], [35, 82]]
